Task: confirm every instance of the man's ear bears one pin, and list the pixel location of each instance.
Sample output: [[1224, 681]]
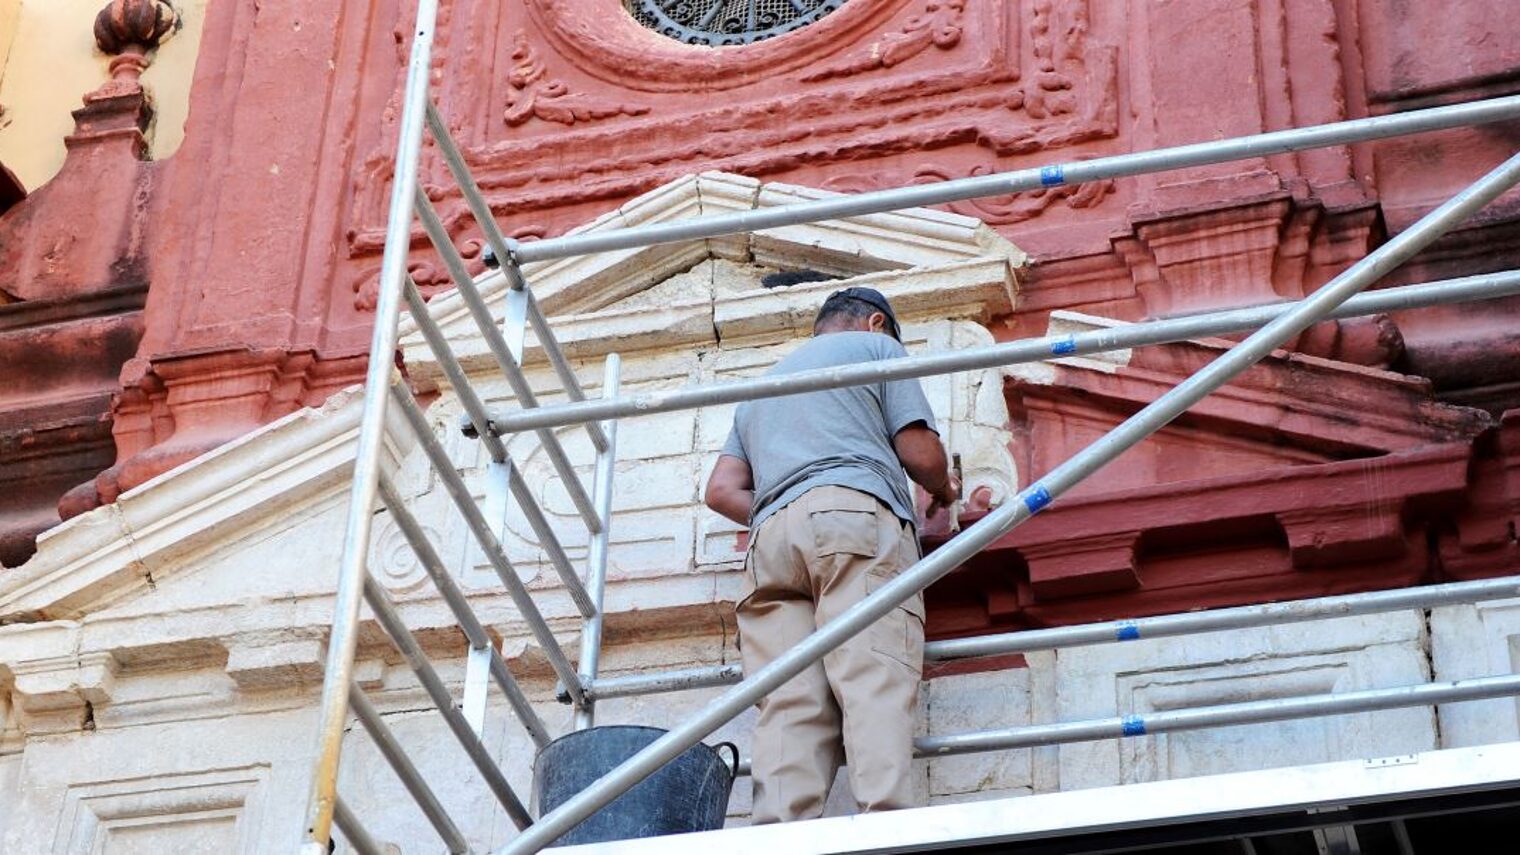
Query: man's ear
[[877, 322]]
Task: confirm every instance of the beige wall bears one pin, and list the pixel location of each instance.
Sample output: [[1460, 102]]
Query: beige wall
[[10, 12], [48, 60]]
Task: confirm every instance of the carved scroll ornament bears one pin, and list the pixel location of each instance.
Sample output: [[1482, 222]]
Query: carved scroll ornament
[[532, 94], [939, 25]]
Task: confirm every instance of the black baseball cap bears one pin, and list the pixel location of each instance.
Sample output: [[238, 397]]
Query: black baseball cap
[[871, 297]]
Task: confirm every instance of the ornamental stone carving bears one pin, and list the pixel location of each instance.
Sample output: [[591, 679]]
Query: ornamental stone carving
[[128, 29]]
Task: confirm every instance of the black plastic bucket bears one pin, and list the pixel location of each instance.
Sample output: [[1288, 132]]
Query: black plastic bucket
[[690, 793]]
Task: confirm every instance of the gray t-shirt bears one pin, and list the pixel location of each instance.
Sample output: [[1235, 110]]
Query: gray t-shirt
[[840, 437]]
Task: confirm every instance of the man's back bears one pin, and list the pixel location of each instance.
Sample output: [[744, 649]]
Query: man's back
[[821, 480], [840, 437]]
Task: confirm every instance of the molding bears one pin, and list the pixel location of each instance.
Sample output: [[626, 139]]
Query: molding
[[102, 556], [933, 264]]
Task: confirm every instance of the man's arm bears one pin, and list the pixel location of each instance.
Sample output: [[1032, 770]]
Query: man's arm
[[731, 489], [923, 457]]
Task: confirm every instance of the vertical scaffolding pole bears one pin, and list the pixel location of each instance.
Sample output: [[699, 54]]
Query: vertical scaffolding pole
[[352, 570], [596, 559], [1030, 501]]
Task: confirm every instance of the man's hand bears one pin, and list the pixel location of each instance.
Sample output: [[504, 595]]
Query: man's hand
[[945, 497]]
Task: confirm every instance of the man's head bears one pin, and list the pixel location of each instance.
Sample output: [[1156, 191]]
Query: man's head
[[856, 310]]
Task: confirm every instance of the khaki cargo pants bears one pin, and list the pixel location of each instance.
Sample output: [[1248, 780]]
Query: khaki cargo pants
[[807, 563]]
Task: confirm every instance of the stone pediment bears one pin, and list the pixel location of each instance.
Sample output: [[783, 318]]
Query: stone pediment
[[932, 264]]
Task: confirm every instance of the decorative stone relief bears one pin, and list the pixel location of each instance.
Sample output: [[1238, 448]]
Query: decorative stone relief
[[938, 25], [128, 28], [724, 22], [396, 564], [1017, 79], [533, 94]]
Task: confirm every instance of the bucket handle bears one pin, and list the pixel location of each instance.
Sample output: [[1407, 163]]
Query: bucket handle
[[733, 768]]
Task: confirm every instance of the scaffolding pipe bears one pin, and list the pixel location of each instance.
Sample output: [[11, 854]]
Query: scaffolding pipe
[[475, 411], [1030, 501], [352, 570], [402, 765], [1082, 635], [438, 343], [1485, 287], [358, 838], [468, 622], [1239, 617], [596, 556], [662, 681], [411, 651], [1024, 180], [505, 358], [1222, 715], [567, 378], [454, 485], [505, 250]]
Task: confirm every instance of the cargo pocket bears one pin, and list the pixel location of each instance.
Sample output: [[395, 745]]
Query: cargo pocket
[[844, 532], [900, 634]]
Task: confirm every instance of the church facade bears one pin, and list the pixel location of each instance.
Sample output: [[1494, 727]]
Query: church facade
[[189, 278]]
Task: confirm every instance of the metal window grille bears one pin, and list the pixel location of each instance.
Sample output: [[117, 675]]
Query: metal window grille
[[720, 23]]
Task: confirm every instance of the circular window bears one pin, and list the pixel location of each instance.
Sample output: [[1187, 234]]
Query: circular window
[[715, 23]]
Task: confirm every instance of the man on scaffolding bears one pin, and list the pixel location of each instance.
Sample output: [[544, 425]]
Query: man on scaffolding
[[819, 479]]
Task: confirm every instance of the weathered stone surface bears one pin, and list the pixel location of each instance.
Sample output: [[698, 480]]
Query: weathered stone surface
[[1477, 640], [985, 701]]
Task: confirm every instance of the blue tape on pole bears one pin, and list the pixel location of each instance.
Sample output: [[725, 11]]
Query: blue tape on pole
[[1134, 725], [1050, 176], [1036, 498], [1127, 631], [1065, 345]]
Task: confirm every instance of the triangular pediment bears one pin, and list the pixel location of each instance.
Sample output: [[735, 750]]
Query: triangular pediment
[[932, 264]]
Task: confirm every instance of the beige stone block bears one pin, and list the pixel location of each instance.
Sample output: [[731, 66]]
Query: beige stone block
[[978, 796], [276, 664], [10, 775], [1064, 322], [975, 289], [967, 703], [56, 694], [713, 427], [1477, 640]]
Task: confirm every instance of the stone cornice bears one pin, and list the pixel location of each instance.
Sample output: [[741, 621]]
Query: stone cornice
[[932, 264]]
